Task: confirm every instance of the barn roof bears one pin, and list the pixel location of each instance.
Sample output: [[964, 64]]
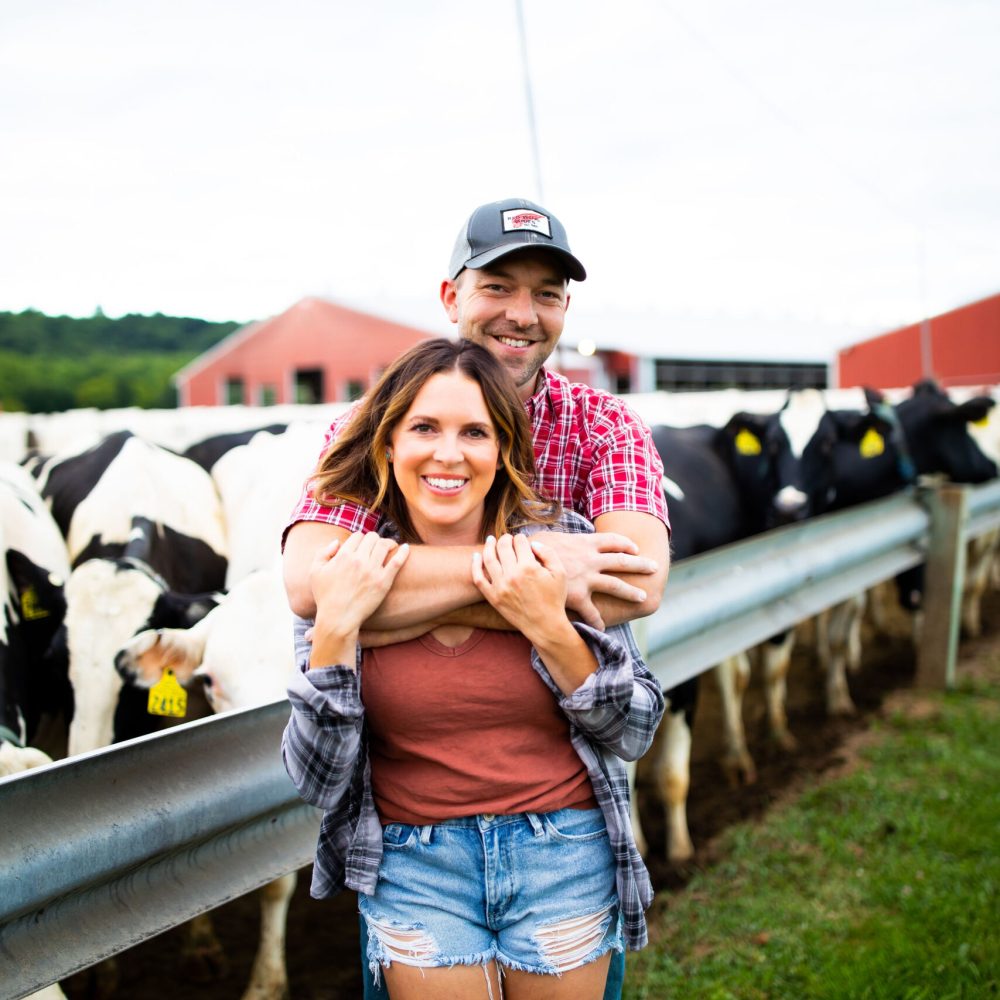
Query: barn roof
[[341, 328]]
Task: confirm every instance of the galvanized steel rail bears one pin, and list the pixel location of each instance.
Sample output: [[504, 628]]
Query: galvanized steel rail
[[105, 850]]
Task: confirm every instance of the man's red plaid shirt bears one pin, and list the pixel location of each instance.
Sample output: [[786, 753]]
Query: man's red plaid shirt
[[592, 454]]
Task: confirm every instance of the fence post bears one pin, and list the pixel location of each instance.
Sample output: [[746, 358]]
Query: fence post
[[944, 575]]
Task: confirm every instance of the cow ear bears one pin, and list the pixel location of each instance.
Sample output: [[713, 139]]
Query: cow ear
[[39, 593], [975, 410], [745, 432]]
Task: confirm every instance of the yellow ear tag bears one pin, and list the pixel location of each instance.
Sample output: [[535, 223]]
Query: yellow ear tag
[[31, 610], [747, 443], [167, 697], [981, 422], [872, 444]]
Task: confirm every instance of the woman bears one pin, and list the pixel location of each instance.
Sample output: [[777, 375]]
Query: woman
[[473, 782]]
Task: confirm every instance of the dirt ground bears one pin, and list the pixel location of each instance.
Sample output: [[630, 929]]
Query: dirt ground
[[323, 936]]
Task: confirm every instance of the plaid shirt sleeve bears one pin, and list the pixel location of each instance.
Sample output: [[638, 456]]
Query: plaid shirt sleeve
[[627, 473], [621, 704], [322, 741], [345, 515]]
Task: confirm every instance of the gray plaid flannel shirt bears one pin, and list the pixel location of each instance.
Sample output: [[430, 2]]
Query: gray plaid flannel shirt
[[612, 716]]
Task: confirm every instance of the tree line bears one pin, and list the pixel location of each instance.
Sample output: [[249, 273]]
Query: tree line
[[52, 363]]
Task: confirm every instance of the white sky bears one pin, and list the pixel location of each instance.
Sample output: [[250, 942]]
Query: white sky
[[739, 179]]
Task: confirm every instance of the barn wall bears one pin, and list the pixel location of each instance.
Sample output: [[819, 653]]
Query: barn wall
[[345, 345], [965, 350]]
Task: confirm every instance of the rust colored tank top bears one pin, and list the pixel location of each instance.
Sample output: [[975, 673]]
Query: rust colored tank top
[[456, 731]]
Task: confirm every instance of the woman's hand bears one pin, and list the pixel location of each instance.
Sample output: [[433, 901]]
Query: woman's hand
[[349, 580], [525, 581]]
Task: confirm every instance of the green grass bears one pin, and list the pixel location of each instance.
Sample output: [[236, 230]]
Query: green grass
[[884, 883]]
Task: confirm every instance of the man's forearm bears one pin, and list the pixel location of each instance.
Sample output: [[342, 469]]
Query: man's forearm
[[435, 581]]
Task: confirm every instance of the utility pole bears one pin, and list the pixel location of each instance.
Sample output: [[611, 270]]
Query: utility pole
[[530, 100]]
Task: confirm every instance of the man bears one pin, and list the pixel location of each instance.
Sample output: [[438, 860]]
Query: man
[[507, 289]]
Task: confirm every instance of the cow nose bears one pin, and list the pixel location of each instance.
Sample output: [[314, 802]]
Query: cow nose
[[790, 504]]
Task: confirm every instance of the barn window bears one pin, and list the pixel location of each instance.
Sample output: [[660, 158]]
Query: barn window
[[234, 391], [355, 389], [309, 385], [268, 395]]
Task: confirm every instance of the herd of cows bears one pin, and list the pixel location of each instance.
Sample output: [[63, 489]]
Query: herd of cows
[[131, 550]]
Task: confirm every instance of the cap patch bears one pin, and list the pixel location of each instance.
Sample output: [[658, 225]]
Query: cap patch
[[524, 218]]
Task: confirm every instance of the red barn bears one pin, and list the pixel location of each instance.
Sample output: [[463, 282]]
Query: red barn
[[961, 347], [314, 352]]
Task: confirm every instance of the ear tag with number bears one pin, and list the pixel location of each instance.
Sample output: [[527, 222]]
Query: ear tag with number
[[167, 697], [747, 443], [31, 610], [872, 444]]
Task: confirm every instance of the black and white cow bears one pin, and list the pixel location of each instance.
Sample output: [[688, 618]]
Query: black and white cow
[[724, 484], [242, 651], [717, 485], [140, 523], [34, 679], [960, 441]]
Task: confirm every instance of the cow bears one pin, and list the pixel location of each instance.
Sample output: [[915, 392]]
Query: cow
[[140, 522], [961, 441], [34, 679], [242, 653], [717, 486], [757, 472]]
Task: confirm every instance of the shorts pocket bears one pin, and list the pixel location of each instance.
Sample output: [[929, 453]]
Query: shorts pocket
[[398, 835], [575, 825]]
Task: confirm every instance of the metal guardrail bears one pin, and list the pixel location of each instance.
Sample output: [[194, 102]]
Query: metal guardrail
[[104, 850]]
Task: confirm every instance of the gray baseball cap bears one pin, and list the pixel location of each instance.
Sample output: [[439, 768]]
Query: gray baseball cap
[[501, 227]]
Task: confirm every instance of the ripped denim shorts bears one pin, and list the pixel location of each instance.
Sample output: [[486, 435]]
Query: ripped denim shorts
[[534, 892]]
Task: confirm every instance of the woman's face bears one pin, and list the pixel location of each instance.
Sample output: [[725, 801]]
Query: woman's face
[[445, 453]]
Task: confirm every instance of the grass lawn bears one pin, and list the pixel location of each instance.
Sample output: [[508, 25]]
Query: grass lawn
[[883, 882]]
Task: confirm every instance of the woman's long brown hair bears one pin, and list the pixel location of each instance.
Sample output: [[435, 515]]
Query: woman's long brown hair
[[356, 469]]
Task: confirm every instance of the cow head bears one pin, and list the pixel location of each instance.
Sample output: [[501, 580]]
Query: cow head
[[109, 601], [241, 651], [799, 441], [937, 433]]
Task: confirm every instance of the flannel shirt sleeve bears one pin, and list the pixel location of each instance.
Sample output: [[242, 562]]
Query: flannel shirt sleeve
[[620, 705], [322, 740], [345, 515], [627, 472]]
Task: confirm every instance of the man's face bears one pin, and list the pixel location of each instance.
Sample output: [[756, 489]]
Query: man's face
[[515, 308]]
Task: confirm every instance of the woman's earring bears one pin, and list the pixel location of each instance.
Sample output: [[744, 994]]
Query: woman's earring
[[388, 454]]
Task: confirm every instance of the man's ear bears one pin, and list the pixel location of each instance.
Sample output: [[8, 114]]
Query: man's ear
[[566, 302], [449, 299]]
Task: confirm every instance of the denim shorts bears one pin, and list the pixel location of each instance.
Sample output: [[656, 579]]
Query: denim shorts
[[534, 892]]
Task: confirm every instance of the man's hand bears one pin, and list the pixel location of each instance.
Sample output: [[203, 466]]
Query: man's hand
[[589, 562]]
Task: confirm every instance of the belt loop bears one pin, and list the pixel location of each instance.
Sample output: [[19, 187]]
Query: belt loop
[[425, 834], [536, 823]]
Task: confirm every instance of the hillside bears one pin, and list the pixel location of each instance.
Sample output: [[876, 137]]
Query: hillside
[[50, 363]]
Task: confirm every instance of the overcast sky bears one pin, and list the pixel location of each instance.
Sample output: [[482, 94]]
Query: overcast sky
[[773, 178]]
